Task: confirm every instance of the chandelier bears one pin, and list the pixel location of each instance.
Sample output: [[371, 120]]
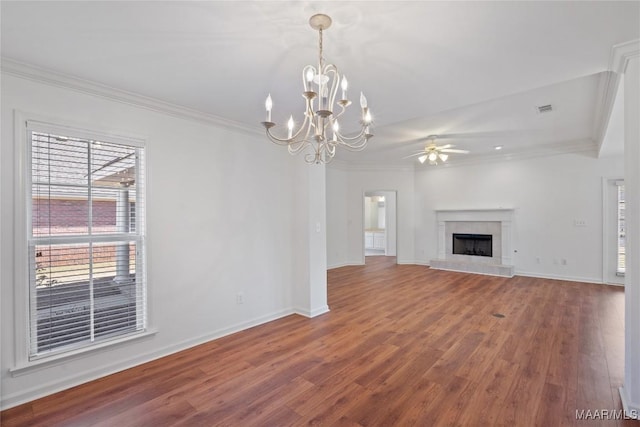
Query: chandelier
[[320, 132]]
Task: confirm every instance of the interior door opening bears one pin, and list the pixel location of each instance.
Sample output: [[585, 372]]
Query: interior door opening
[[379, 224]]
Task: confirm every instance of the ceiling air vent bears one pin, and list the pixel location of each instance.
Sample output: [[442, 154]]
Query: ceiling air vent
[[544, 108]]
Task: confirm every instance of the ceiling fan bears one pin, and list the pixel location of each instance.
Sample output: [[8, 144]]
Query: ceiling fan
[[434, 153]]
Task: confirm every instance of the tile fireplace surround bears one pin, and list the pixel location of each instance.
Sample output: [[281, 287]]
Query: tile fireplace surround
[[497, 222]]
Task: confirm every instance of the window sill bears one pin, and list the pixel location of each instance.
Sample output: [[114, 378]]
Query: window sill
[[58, 359]]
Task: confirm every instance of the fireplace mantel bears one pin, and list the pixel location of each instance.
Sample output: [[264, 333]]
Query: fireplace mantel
[[501, 218]]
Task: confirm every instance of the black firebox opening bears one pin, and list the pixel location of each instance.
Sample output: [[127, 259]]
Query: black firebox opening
[[473, 244]]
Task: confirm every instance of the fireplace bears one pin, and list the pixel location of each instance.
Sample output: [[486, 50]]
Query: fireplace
[[472, 244], [475, 241]]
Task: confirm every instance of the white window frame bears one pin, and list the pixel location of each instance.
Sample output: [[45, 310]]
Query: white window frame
[[23, 364]]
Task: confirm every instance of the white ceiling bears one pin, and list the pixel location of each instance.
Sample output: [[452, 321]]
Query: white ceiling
[[470, 71]]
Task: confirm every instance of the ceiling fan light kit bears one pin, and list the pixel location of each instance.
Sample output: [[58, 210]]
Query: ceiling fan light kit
[[321, 119]]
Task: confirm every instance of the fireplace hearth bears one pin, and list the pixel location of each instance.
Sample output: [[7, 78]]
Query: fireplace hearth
[[473, 244]]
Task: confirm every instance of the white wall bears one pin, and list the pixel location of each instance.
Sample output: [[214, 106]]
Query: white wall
[[548, 194], [337, 221], [345, 192], [220, 221]]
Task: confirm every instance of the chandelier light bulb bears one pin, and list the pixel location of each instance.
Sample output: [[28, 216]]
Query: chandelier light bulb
[[268, 105], [443, 157], [433, 157], [336, 126], [363, 101], [344, 85], [309, 77], [367, 117], [422, 159], [290, 126]]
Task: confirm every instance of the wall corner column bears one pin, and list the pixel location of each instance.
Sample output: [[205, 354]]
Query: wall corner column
[[630, 391]]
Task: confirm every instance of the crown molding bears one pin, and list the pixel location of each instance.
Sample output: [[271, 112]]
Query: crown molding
[[53, 78], [586, 145], [607, 91], [345, 165], [619, 57], [621, 54]]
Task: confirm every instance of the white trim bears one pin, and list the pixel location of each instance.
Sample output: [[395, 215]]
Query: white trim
[[312, 313], [558, 277], [46, 125], [53, 78], [36, 392], [414, 262], [607, 91], [585, 145], [621, 54], [630, 409], [340, 265], [21, 300], [345, 165], [472, 272], [60, 358]]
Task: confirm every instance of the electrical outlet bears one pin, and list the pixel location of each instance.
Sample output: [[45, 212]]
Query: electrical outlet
[[240, 298]]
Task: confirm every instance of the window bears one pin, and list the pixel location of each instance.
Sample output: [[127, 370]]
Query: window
[[621, 230], [85, 240]]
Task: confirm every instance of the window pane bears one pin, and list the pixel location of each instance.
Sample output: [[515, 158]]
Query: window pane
[[116, 293], [62, 295], [59, 160], [59, 210], [112, 210]]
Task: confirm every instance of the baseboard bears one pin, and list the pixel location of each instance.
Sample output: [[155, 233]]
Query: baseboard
[[557, 277], [411, 262], [631, 410], [338, 265], [42, 390], [312, 313], [344, 264]]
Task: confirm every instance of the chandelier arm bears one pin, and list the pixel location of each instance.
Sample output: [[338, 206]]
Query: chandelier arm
[[298, 146], [343, 108], [354, 149], [330, 68], [355, 138]]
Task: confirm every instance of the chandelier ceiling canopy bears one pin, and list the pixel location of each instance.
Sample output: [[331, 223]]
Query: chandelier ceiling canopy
[[320, 132]]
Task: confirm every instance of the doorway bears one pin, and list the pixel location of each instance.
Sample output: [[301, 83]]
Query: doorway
[[614, 233], [379, 223]]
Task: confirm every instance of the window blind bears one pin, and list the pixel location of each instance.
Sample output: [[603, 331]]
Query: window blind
[[86, 241], [621, 229]]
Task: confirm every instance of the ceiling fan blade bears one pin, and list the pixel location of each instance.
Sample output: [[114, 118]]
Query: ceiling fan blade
[[444, 147], [414, 155], [451, 150]]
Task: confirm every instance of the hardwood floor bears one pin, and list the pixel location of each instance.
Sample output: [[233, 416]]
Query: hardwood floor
[[403, 345]]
